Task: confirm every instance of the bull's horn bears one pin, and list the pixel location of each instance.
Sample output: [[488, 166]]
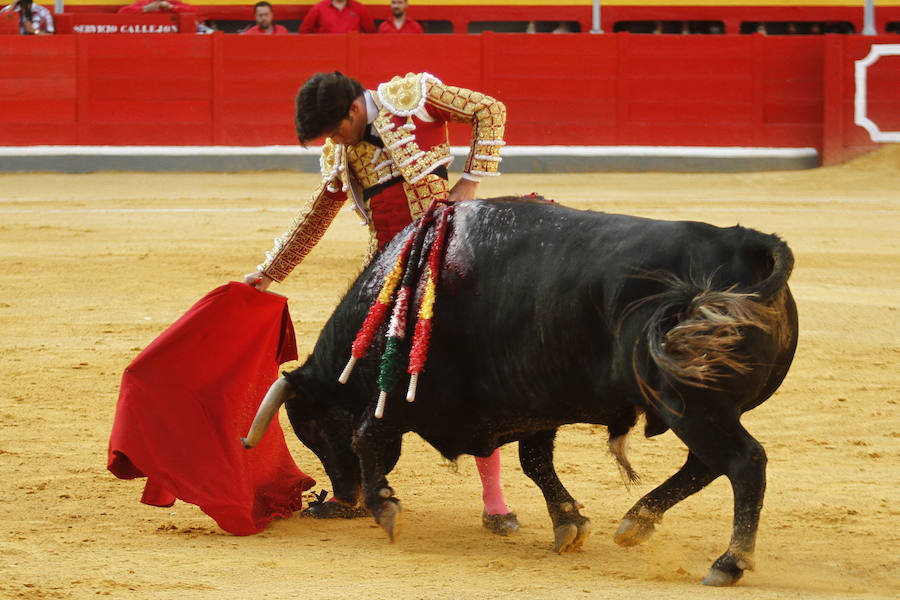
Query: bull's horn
[[278, 393]]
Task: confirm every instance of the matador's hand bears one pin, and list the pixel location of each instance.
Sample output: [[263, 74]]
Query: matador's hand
[[259, 280], [463, 190]]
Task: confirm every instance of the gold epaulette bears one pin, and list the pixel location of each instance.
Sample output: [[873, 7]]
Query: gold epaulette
[[403, 96], [333, 165]]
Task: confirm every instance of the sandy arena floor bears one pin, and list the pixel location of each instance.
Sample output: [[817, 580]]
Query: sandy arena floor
[[94, 267]]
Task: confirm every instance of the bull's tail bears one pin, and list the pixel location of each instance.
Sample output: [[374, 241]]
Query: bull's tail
[[694, 333], [780, 261], [618, 447], [700, 347]]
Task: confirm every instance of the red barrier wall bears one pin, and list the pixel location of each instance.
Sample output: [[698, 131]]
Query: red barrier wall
[[844, 139], [38, 90], [786, 91]]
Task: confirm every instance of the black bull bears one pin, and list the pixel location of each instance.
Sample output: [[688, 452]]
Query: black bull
[[545, 316]]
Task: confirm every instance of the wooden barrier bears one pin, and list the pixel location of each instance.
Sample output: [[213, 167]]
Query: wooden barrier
[[596, 90]]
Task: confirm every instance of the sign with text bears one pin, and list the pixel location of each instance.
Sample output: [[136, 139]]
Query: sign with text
[[109, 23]]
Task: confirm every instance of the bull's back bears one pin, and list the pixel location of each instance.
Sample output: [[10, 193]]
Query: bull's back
[[533, 294], [529, 263], [529, 311]]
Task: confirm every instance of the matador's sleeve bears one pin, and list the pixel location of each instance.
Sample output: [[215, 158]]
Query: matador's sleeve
[[487, 115], [313, 220]]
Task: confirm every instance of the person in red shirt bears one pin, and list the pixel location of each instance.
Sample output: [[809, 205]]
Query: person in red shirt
[[145, 6], [264, 24], [337, 16], [399, 23]]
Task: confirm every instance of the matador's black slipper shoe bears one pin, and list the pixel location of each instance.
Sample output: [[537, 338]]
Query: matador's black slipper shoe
[[500, 524], [320, 509]]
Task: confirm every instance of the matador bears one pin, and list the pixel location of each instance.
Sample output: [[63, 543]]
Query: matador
[[390, 156], [388, 150]]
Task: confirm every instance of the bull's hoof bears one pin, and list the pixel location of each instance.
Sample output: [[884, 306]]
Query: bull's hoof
[[390, 517], [634, 530], [718, 578], [333, 510], [570, 537], [727, 570], [500, 524]]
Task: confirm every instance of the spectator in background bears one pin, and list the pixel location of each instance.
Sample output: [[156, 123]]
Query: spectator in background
[[337, 16], [399, 22], [264, 24], [148, 6], [34, 19]]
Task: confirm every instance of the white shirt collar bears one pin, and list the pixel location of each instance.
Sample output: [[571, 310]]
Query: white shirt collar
[[371, 109]]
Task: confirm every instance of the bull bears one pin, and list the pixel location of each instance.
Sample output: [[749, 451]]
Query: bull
[[546, 316]]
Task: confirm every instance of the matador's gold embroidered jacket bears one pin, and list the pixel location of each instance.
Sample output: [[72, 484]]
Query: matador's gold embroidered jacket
[[413, 112]]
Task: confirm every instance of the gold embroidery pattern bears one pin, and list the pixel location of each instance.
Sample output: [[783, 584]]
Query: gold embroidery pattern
[[399, 143], [488, 118], [421, 193], [369, 164], [403, 97], [304, 233], [409, 158]]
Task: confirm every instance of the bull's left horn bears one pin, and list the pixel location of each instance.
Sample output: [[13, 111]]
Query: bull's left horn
[[278, 393]]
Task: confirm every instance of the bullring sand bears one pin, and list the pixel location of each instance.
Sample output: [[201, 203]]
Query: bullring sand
[[94, 267]]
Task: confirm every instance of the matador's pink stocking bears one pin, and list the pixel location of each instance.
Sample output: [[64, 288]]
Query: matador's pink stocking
[[492, 493]]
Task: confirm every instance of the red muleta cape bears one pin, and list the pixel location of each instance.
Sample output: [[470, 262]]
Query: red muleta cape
[[187, 399]]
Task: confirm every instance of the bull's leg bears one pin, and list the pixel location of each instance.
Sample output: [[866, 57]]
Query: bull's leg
[[640, 521], [747, 474], [378, 448], [570, 529], [713, 433]]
